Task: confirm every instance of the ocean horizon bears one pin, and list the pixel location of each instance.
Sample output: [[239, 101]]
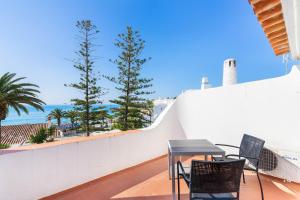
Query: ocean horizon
[[35, 116]]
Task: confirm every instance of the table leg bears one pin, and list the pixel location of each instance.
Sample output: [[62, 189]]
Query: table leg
[[173, 177], [205, 157], [169, 157]]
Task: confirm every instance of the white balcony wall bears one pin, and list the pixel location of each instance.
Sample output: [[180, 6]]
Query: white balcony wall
[[37, 173], [269, 109]]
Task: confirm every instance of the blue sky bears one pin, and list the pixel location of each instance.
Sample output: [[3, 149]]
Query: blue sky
[[186, 40]]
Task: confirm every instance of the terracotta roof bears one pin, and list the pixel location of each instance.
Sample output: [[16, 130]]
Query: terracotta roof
[[18, 134], [270, 16]]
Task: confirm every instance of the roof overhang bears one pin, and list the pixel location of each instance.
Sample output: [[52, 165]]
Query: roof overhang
[[270, 16]]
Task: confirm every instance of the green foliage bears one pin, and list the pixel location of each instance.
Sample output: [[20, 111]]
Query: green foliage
[[17, 94], [39, 137], [4, 146], [43, 135], [87, 84], [100, 117], [50, 133], [73, 115], [129, 113], [116, 126], [57, 114]]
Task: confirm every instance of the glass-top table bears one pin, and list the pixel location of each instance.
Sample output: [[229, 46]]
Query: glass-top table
[[189, 147]]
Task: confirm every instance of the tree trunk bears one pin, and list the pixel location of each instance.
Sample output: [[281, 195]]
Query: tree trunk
[[0, 134], [127, 95], [87, 85], [3, 115]]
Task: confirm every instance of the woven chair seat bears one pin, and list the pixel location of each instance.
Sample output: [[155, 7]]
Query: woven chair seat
[[247, 166], [222, 196]]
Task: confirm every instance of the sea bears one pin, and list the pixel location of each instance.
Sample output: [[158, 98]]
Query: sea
[[35, 116]]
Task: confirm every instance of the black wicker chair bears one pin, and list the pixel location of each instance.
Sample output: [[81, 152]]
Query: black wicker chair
[[250, 149], [209, 180]]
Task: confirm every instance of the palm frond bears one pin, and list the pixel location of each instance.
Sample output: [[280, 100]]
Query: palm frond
[[17, 95]]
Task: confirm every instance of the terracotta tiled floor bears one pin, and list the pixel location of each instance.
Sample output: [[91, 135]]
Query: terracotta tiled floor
[[150, 181]]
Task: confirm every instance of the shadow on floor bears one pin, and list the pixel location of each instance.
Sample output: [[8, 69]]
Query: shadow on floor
[[149, 181], [111, 185]]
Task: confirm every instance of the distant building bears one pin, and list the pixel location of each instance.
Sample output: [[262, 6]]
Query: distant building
[[159, 105]]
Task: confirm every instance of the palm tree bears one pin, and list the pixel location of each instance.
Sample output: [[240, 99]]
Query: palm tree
[[16, 94], [57, 114], [72, 115]]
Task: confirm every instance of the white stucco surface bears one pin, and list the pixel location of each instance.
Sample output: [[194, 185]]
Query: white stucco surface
[[291, 14], [268, 109]]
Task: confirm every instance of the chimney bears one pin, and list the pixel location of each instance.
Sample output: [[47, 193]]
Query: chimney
[[49, 122], [229, 72], [204, 83]]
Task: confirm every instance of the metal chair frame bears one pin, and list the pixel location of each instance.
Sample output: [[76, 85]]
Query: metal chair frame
[[256, 149], [212, 178]]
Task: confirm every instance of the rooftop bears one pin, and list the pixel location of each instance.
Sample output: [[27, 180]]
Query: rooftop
[[18, 134], [149, 181]]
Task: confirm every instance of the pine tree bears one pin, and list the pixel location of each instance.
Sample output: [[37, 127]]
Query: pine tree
[[100, 116], [129, 112], [87, 85]]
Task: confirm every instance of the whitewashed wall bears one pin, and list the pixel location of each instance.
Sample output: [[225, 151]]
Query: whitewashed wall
[[37, 173], [269, 109]]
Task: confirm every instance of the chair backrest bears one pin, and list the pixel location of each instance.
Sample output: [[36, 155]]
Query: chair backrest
[[251, 147], [216, 176]]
